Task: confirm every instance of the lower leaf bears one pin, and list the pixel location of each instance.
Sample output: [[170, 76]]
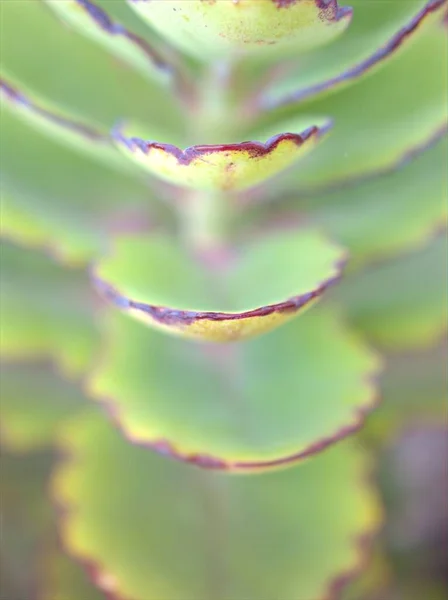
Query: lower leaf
[[156, 530], [401, 304], [255, 405]]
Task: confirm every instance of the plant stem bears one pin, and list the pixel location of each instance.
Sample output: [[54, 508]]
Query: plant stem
[[205, 216], [213, 122], [205, 221]]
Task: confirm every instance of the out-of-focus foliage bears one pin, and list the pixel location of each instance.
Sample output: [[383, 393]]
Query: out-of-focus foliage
[[45, 310], [292, 151], [218, 410], [235, 520]]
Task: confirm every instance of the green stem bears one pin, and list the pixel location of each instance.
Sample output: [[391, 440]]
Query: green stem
[[205, 221], [213, 121], [205, 216]]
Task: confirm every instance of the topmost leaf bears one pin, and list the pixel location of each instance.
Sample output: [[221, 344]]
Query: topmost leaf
[[210, 29]]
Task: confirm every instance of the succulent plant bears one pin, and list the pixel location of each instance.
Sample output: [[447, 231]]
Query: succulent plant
[[196, 328]]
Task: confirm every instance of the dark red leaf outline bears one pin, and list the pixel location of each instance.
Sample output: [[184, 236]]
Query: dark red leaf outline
[[381, 54]]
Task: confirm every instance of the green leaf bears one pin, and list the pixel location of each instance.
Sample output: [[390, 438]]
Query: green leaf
[[377, 218], [226, 167], [378, 32], [196, 534], [35, 401], [390, 214], [33, 565], [87, 82], [65, 201], [374, 580], [413, 389], [213, 30], [120, 11], [218, 406], [261, 286], [93, 20], [45, 311], [380, 121], [26, 515], [18, 225], [63, 578], [67, 129], [401, 304]]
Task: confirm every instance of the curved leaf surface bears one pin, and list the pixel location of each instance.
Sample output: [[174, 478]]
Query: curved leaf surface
[[392, 120], [413, 389], [26, 515], [229, 537], [64, 201], [87, 82], [377, 218], [375, 579], [390, 214], [216, 406], [17, 225], [35, 401], [62, 578], [401, 304], [227, 167], [45, 311], [263, 285], [92, 20], [121, 11], [378, 32], [82, 137], [213, 30], [33, 564]]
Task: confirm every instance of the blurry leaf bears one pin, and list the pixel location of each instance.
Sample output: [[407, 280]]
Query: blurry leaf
[[213, 30], [413, 390], [64, 201], [92, 20], [65, 579], [382, 119], [378, 32], [389, 214], [247, 406], [67, 129], [168, 532], [374, 579], [34, 403], [224, 167], [18, 225], [32, 564], [85, 80], [263, 284], [25, 516], [45, 311], [379, 217], [401, 304], [122, 12]]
